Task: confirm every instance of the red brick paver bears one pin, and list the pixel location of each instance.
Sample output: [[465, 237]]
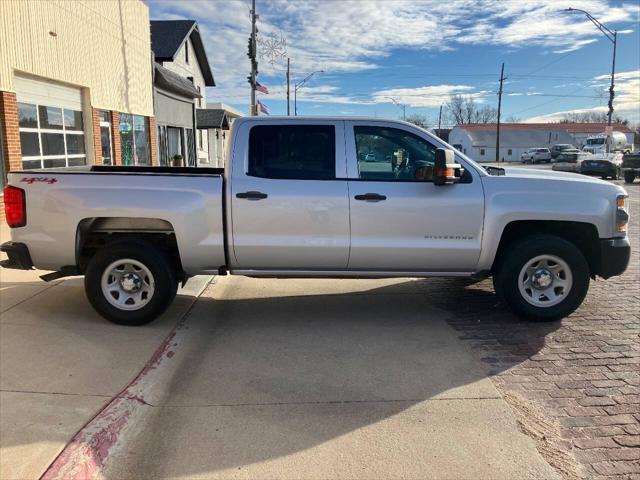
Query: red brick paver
[[574, 384]]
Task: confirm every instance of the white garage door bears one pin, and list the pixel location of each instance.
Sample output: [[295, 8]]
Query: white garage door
[[29, 90], [51, 124]]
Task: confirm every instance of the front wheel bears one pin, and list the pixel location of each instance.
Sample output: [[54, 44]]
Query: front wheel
[[130, 283], [542, 278], [629, 176]]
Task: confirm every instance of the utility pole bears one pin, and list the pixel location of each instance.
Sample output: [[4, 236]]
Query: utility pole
[[612, 36], [439, 121], [296, 86], [613, 73], [254, 62], [499, 106], [403, 106], [288, 86]]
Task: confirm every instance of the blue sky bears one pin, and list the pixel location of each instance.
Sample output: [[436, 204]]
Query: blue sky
[[418, 52]]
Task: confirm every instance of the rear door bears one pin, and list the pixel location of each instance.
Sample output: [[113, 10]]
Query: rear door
[[400, 220], [289, 196]]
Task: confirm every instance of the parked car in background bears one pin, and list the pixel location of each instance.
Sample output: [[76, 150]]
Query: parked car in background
[[570, 161], [370, 157], [560, 148], [630, 167], [535, 155], [606, 165]]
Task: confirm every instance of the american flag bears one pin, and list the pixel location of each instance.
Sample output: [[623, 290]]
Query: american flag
[[263, 108], [261, 88]]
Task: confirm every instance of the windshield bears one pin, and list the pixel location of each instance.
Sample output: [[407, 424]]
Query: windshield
[[595, 141]]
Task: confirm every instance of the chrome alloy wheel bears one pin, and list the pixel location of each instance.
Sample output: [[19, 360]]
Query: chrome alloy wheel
[[127, 284], [545, 281]]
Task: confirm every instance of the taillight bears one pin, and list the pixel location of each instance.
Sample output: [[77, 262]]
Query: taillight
[[15, 206]]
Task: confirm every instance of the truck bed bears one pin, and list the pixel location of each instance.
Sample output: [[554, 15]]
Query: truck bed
[[62, 204]]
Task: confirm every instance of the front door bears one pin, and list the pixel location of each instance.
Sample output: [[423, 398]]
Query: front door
[[400, 220], [289, 209]]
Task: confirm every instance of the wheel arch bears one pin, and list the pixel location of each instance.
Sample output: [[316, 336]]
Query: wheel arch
[[581, 234], [94, 233]]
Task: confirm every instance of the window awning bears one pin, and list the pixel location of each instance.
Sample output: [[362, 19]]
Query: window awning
[[172, 82]]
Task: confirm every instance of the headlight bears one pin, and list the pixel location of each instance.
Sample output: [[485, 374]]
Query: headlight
[[622, 214]]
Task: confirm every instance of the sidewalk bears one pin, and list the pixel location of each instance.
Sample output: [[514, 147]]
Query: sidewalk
[[59, 364]]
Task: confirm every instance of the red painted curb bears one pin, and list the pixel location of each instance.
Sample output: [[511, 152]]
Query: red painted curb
[[85, 456]]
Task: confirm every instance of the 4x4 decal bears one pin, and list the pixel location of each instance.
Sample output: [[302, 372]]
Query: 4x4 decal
[[31, 180]]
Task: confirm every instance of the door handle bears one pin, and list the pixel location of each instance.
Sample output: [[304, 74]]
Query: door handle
[[252, 195], [371, 197]]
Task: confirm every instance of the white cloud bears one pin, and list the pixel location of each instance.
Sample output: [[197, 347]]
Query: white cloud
[[626, 101], [355, 35], [427, 96]]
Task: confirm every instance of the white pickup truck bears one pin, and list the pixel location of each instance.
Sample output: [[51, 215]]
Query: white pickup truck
[[319, 197]]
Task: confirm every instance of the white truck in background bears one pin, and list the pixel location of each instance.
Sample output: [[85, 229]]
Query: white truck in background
[[298, 197], [607, 143]]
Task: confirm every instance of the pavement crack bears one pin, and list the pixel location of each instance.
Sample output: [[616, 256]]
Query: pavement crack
[[36, 392], [31, 297], [325, 402]]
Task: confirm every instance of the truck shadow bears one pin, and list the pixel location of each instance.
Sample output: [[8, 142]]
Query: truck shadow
[[263, 376]]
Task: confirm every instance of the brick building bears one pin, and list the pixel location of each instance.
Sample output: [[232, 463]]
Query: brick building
[[76, 84]]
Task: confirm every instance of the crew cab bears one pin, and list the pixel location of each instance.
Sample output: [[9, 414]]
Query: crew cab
[[301, 197]]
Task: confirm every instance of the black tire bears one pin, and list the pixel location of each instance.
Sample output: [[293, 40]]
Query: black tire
[[519, 253], [629, 176], [616, 174], [155, 260]]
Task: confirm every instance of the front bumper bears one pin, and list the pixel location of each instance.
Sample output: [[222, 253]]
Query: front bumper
[[614, 256], [19, 257]]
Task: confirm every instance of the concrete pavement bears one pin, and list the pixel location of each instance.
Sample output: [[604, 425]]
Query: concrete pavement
[[323, 379], [60, 363]]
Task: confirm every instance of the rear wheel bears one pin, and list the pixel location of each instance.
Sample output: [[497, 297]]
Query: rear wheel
[[130, 283], [629, 176], [542, 278]]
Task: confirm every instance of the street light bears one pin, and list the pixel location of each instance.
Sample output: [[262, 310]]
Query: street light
[[297, 86], [401, 105], [613, 37]]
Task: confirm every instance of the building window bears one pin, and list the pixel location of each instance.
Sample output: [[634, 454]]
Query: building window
[[186, 51], [51, 136], [134, 139], [509, 152], [482, 151]]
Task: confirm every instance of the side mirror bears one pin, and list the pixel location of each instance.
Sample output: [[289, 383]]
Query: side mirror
[[446, 171]]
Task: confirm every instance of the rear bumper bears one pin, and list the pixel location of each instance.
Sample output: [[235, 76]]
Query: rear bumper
[[597, 169], [614, 256], [19, 257]]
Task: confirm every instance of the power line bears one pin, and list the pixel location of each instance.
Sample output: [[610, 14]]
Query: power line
[[558, 95]]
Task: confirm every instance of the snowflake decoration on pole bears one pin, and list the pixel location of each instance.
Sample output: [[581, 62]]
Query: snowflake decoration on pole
[[272, 48]]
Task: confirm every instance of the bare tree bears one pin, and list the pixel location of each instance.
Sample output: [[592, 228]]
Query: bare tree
[[486, 114], [455, 107], [512, 119], [418, 119], [591, 117], [465, 110]]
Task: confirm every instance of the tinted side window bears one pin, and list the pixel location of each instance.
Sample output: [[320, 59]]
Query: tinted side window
[[304, 152], [393, 154]]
